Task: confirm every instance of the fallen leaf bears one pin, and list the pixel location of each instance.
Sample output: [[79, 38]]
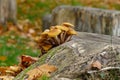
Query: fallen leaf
[[11, 70], [14, 70], [12, 41], [27, 61], [39, 71], [96, 65], [3, 70], [3, 58], [6, 77]]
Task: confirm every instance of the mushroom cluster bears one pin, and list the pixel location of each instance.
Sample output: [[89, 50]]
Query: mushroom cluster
[[55, 36]]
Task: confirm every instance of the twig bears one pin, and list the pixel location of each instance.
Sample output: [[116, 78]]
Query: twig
[[103, 69]]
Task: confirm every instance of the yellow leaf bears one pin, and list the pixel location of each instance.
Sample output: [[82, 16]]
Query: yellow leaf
[[39, 71], [3, 58]]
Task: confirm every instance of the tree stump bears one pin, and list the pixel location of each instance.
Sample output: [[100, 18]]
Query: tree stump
[[74, 58], [8, 10], [87, 19]]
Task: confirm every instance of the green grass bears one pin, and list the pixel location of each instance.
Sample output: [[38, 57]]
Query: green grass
[[12, 51], [35, 9], [44, 77]]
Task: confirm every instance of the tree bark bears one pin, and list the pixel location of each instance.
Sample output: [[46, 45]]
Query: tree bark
[[75, 57], [8, 10]]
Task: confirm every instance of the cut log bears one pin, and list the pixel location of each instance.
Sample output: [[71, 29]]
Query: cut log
[[88, 19], [75, 57]]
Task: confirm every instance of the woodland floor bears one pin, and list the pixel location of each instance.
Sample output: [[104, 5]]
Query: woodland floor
[[20, 40]]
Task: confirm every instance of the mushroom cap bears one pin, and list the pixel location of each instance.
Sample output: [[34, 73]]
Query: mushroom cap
[[52, 27], [42, 37], [45, 32], [64, 28], [68, 24], [54, 32], [71, 31]]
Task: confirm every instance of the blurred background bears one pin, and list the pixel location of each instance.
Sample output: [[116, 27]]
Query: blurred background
[[34, 10]]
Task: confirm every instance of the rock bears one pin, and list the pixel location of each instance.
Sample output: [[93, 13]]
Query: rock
[[75, 57], [88, 19]]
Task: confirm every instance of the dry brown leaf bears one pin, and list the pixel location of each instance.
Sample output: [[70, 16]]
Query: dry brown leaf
[[44, 69], [96, 65], [6, 77], [11, 70], [27, 61], [3, 70]]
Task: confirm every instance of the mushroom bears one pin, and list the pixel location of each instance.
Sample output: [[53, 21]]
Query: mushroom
[[71, 31], [53, 34], [45, 32], [64, 29], [69, 34], [68, 24], [46, 47], [43, 37]]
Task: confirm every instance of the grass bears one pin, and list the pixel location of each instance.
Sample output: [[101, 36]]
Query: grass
[[12, 47], [44, 77], [34, 10]]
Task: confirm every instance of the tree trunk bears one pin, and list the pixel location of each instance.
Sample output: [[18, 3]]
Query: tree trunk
[[8, 10], [75, 57]]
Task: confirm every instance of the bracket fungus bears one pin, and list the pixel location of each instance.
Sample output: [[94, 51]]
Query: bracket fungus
[[55, 36]]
